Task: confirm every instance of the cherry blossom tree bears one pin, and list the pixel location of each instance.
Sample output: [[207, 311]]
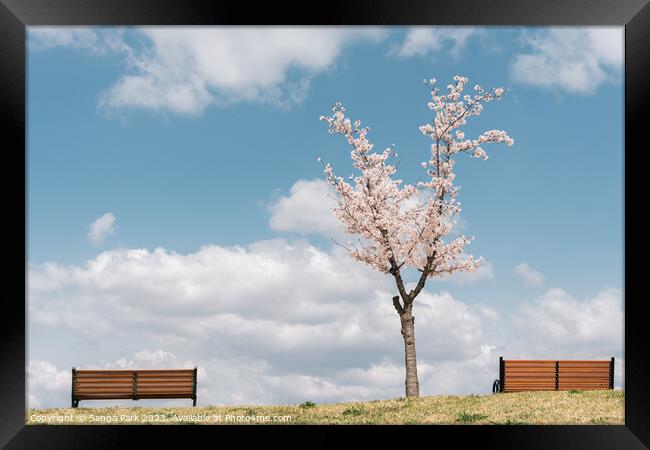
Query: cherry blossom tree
[[402, 225]]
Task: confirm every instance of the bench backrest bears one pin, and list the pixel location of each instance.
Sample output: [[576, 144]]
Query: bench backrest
[[133, 384], [554, 375]]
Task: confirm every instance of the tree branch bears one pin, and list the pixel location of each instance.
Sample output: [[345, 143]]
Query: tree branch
[[423, 277], [394, 270], [397, 305]]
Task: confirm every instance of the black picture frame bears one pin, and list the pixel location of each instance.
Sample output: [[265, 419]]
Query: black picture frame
[[15, 15]]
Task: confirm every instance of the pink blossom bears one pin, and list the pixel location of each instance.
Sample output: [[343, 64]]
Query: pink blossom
[[405, 225]]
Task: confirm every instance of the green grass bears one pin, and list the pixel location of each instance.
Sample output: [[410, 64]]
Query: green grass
[[465, 417], [353, 411], [564, 407]]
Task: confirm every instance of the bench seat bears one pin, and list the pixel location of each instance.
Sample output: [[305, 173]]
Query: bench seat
[[554, 375], [133, 384]]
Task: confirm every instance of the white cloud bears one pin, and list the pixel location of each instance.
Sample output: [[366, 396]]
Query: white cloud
[[307, 209], [421, 41], [46, 383], [93, 40], [101, 227], [283, 322], [274, 295], [528, 274], [565, 325], [186, 69], [293, 312], [575, 60]]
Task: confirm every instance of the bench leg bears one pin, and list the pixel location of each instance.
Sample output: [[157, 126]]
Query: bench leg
[[194, 401]]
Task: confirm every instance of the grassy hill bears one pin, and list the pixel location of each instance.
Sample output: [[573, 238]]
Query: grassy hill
[[564, 407]]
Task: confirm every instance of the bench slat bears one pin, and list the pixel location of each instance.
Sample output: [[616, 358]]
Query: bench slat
[[162, 396], [529, 377], [589, 376], [164, 380], [163, 372], [583, 372]]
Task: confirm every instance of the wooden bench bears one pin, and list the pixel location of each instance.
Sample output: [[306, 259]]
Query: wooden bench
[[552, 375], [133, 384]]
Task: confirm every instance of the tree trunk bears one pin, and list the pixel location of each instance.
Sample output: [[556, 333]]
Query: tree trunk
[[410, 361]]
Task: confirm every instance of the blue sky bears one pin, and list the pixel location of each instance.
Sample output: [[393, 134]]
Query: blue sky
[[192, 138]]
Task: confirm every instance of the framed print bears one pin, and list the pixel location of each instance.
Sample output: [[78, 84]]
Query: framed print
[[235, 218]]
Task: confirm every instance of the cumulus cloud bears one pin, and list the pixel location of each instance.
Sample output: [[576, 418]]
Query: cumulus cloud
[[567, 325], [101, 227], [46, 384], [528, 274], [186, 69], [307, 209], [275, 296], [283, 322], [575, 60], [288, 309], [420, 41]]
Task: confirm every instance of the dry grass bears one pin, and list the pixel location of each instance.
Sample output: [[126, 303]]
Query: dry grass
[[564, 407]]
